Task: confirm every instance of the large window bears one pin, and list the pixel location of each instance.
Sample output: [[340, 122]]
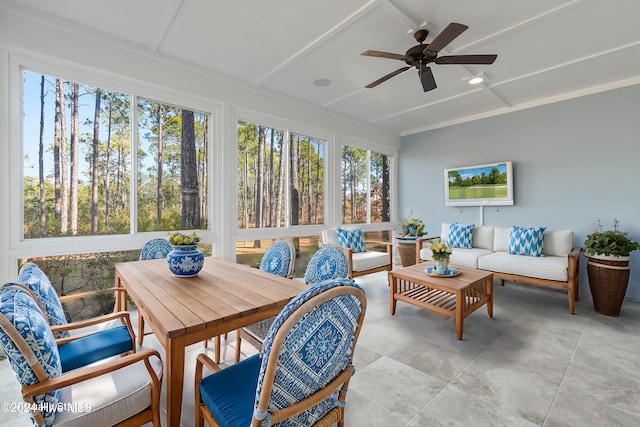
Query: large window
[[366, 195], [280, 177], [77, 154]]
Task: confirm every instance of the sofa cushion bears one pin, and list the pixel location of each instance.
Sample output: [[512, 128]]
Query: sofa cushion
[[362, 261], [549, 267], [501, 239], [351, 239], [526, 241], [111, 398], [460, 235], [330, 237], [461, 257], [557, 242], [483, 237]]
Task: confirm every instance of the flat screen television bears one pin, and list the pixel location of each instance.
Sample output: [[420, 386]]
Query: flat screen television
[[490, 184]]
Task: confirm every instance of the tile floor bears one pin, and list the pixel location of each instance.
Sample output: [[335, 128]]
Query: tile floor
[[532, 364]]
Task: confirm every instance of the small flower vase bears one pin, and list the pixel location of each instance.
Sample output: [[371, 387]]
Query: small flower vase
[[185, 260], [442, 266]]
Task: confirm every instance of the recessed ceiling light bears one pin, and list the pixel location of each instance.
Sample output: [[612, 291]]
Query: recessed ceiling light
[[322, 82], [476, 80]]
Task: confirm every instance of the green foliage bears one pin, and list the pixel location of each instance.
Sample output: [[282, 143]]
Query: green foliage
[[180, 239], [413, 226], [610, 242]]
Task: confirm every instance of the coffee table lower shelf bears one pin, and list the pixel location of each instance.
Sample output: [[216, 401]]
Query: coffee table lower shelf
[[455, 297]]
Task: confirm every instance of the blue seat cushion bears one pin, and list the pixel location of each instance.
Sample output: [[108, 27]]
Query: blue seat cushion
[[230, 393], [94, 347]]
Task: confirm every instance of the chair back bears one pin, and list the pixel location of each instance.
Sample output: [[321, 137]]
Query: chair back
[[329, 262], [279, 259], [307, 356], [155, 249]]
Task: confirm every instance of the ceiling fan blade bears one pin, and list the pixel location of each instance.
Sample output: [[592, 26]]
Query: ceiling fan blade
[[379, 54], [466, 59], [447, 35], [426, 78], [387, 77]]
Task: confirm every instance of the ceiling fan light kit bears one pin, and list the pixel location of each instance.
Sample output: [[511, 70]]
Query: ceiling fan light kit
[[422, 54]]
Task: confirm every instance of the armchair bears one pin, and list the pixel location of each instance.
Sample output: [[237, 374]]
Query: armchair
[[80, 342], [84, 396], [303, 374], [361, 260], [327, 263]]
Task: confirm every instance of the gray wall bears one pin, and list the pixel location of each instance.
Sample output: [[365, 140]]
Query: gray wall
[[574, 162]]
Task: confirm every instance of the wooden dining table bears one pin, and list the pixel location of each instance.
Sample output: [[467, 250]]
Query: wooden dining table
[[223, 297]]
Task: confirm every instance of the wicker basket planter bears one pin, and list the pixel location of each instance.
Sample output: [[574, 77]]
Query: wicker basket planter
[[608, 280]]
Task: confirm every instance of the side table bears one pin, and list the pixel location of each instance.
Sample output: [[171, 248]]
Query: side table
[[407, 249]]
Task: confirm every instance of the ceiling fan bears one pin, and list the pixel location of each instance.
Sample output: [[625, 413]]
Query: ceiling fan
[[420, 55]]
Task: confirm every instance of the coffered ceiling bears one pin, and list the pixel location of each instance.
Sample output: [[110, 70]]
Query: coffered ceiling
[[547, 50]]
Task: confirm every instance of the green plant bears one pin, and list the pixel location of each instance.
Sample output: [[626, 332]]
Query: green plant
[[610, 242], [177, 238], [412, 226]]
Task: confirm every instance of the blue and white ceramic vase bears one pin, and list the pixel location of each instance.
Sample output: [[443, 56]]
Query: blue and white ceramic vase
[[185, 260], [442, 266]]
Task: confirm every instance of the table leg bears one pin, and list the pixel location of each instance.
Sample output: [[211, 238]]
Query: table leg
[[460, 309], [392, 291], [174, 380], [489, 286]]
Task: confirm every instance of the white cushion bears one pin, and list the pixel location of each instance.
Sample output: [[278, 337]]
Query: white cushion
[[367, 260], [461, 257], [548, 267], [483, 237], [112, 397], [330, 237], [557, 242], [501, 239]]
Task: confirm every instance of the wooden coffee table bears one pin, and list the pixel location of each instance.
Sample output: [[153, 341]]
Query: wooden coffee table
[[456, 297]]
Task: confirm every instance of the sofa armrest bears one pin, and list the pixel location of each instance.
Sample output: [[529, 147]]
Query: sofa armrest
[[420, 244]]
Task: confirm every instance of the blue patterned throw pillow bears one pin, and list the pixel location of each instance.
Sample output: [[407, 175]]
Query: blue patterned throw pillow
[[33, 277], [21, 311], [351, 239], [460, 236], [526, 241]]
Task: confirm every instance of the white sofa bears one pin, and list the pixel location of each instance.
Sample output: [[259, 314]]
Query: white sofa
[[557, 268]]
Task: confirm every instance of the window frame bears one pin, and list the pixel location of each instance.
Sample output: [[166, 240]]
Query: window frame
[[51, 246], [393, 222], [287, 127]]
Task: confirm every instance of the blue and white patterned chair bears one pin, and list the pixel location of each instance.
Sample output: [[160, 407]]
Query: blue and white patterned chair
[[153, 249], [27, 340], [329, 262], [361, 259], [82, 342], [279, 259], [302, 376]]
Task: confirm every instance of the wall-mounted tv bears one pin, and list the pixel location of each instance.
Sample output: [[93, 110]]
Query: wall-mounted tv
[[490, 184]]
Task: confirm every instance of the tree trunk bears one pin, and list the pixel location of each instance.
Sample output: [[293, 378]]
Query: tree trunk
[[94, 168], [260, 180], [160, 162], [64, 177], [295, 179], [43, 199], [385, 189], [106, 163], [73, 161], [190, 211], [280, 191]]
